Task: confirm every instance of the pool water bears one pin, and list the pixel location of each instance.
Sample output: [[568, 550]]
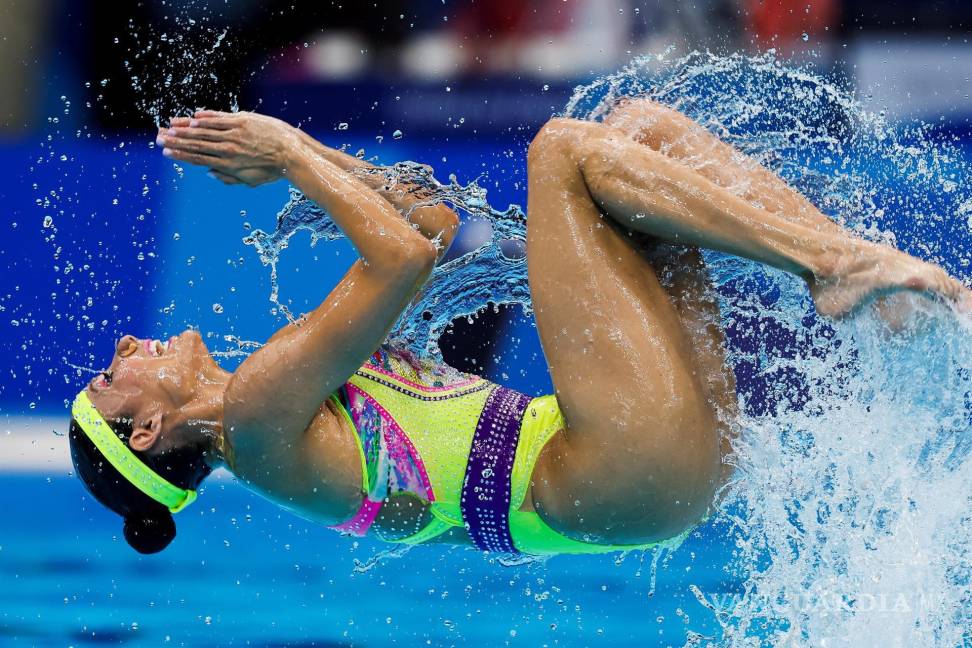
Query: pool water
[[243, 572]]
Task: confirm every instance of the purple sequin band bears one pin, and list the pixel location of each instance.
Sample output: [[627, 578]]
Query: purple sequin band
[[485, 501]]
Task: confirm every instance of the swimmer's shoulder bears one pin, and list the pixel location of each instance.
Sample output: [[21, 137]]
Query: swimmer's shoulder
[[317, 474]]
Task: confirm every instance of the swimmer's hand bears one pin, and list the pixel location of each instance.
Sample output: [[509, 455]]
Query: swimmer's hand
[[239, 148]]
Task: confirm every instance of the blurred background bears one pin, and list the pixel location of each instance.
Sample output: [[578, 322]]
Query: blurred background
[[101, 236]]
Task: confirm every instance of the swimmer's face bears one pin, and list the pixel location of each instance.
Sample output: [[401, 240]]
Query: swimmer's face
[[149, 375]]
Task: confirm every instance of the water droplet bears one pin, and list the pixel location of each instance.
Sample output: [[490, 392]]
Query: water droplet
[[343, 126], [397, 134], [218, 308], [48, 221]]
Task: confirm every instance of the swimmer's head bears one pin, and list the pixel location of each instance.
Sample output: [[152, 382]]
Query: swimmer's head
[[135, 441]]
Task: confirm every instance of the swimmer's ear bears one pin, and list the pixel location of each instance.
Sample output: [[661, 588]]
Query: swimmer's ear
[[146, 433]]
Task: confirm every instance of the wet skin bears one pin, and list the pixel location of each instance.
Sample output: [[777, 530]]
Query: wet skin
[[629, 327]]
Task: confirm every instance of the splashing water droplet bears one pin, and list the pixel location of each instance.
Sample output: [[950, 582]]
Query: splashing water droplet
[[457, 288]]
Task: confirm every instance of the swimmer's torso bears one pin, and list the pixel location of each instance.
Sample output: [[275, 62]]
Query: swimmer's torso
[[414, 452], [415, 422], [398, 433]]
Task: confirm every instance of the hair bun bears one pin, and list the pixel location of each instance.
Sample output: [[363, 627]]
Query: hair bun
[[149, 534]]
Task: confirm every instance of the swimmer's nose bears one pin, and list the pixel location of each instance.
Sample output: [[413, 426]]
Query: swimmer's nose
[[126, 345]]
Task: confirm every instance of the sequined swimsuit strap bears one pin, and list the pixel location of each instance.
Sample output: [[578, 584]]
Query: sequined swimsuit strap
[[485, 499]]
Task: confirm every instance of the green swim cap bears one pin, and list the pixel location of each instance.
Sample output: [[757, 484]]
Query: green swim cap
[[124, 460]]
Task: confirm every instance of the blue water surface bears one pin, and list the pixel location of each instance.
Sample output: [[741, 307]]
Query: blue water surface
[[243, 572]]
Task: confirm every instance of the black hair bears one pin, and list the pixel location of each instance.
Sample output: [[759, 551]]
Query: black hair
[[149, 527]]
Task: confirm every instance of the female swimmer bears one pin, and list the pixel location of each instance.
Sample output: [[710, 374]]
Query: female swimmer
[[634, 447]]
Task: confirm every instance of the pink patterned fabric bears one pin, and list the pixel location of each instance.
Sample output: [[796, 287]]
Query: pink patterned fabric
[[392, 463], [362, 520]]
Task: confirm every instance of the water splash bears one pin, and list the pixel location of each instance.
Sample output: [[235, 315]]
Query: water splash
[[851, 511], [380, 558], [243, 347], [460, 287], [178, 63], [81, 370]]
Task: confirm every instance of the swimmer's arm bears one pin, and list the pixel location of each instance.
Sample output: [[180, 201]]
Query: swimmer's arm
[[278, 390], [435, 222]]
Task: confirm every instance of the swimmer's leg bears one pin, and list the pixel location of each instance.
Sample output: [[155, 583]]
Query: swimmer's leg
[[684, 276], [682, 271], [649, 192], [675, 135], [678, 137], [640, 458]]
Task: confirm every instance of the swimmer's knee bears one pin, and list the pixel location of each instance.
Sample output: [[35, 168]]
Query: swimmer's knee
[[555, 136], [646, 121], [640, 108]]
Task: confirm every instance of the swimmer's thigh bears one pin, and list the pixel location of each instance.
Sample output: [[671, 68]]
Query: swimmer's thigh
[[639, 459], [684, 275]]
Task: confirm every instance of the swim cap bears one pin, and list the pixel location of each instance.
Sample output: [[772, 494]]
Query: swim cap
[[119, 455]]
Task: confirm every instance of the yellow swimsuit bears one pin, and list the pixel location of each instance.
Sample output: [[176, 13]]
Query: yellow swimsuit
[[464, 445]]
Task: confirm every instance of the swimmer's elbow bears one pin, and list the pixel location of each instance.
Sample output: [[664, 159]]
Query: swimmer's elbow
[[415, 256], [449, 219]]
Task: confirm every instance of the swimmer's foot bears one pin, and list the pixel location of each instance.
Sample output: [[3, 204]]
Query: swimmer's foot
[[870, 271]]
